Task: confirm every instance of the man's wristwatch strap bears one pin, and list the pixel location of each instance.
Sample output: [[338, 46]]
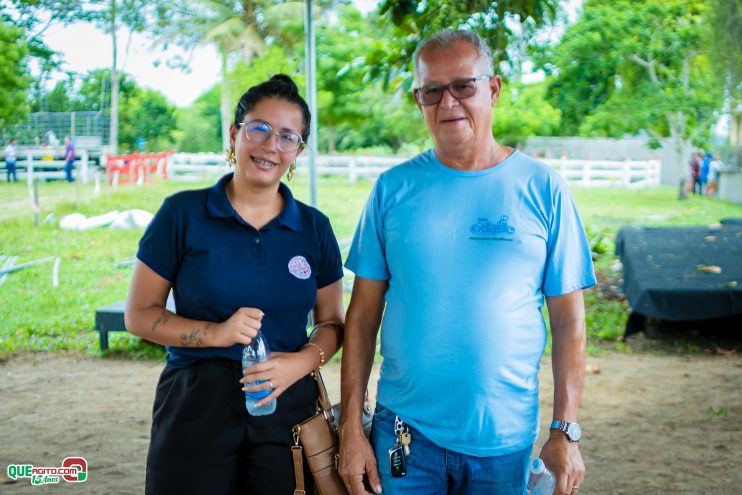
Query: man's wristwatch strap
[[571, 430]]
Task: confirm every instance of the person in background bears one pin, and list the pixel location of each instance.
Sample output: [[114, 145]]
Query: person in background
[[240, 256], [695, 173], [11, 157], [69, 159], [715, 167], [454, 254], [704, 171], [51, 138]]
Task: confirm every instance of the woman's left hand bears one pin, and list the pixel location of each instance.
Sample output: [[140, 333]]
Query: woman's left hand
[[281, 371]]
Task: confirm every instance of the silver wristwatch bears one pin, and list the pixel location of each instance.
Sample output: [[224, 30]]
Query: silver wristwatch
[[571, 430]]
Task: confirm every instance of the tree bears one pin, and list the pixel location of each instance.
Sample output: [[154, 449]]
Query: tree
[[230, 31], [109, 15], [274, 60], [32, 18], [725, 27], [340, 72], [521, 112], [394, 122], [96, 89], [389, 58], [89, 92], [352, 112], [38, 15], [231, 27], [584, 63], [57, 99], [13, 79], [629, 66], [147, 114], [199, 125]]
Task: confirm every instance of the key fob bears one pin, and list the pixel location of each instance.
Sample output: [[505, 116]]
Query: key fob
[[397, 462]]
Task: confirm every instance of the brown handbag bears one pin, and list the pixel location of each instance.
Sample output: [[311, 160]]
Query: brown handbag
[[317, 439]]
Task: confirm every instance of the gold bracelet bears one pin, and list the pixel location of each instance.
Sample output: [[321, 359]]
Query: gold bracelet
[[321, 353]]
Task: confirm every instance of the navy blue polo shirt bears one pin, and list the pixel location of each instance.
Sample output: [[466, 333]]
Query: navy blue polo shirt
[[218, 263]]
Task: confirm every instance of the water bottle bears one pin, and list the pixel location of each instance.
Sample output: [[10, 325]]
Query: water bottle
[[255, 352], [541, 481]]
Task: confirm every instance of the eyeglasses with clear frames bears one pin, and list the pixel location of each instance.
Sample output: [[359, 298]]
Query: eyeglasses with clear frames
[[259, 131], [432, 94]]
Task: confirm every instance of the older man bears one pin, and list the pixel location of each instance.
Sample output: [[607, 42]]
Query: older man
[[457, 249]]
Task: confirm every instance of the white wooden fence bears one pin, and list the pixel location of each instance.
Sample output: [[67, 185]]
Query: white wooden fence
[[196, 166], [581, 173], [608, 173], [37, 166]]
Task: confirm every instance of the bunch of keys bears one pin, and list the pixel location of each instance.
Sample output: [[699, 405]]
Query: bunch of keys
[[401, 449]]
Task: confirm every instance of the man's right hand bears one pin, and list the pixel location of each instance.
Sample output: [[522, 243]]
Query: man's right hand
[[357, 460], [240, 328]]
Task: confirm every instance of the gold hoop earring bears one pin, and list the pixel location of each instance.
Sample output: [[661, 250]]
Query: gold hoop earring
[[230, 157], [292, 172]]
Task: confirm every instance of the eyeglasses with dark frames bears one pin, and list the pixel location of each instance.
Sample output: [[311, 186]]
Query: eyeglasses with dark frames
[[432, 94], [259, 131]]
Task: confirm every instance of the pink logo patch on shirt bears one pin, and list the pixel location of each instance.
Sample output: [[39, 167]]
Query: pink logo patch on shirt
[[299, 267]]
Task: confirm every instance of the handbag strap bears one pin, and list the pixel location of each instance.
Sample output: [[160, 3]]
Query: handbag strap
[[296, 452], [323, 400]]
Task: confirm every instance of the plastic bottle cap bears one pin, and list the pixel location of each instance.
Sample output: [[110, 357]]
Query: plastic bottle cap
[[538, 466]]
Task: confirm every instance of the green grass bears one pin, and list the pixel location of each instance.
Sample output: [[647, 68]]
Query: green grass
[[612, 208], [34, 316]]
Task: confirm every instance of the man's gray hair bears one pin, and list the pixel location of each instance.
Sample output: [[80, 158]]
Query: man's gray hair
[[449, 37]]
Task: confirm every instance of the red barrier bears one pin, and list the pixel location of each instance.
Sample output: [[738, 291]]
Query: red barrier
[[136, 167]]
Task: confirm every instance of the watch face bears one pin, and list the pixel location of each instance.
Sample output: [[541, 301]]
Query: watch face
[[574, 432]]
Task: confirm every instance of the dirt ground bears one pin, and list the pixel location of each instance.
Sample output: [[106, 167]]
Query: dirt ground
[[652, 423]]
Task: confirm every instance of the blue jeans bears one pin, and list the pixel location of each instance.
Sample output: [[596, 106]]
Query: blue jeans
[[68, 171], [10, 172], [433, 470]]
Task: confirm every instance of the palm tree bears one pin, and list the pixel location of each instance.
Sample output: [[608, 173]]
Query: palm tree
[[238, 29], [231, 32]]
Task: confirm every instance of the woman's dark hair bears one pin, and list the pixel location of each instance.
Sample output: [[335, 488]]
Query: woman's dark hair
[[279, 86]]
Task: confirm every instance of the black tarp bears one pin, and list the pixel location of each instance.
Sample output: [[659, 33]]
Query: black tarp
[[662, 279]]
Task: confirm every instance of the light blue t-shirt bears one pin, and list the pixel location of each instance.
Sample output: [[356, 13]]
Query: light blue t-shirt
[[469, 257]]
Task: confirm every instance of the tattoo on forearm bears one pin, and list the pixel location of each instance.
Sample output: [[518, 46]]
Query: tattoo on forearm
[[161, 320], [195, 337]]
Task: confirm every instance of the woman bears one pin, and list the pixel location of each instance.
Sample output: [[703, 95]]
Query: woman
[[240, 256]]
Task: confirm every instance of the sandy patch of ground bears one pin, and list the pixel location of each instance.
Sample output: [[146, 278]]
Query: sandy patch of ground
[[652, 424]]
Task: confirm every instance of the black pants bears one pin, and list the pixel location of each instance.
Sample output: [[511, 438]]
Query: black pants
[[205, 442]]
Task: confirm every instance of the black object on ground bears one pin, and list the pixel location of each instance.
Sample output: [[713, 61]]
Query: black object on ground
[[682, 274]]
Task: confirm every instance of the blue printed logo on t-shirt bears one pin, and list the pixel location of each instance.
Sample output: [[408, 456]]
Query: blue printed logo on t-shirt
[[484, 229]]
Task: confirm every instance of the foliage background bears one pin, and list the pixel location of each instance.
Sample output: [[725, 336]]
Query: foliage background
[[662, 68]]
